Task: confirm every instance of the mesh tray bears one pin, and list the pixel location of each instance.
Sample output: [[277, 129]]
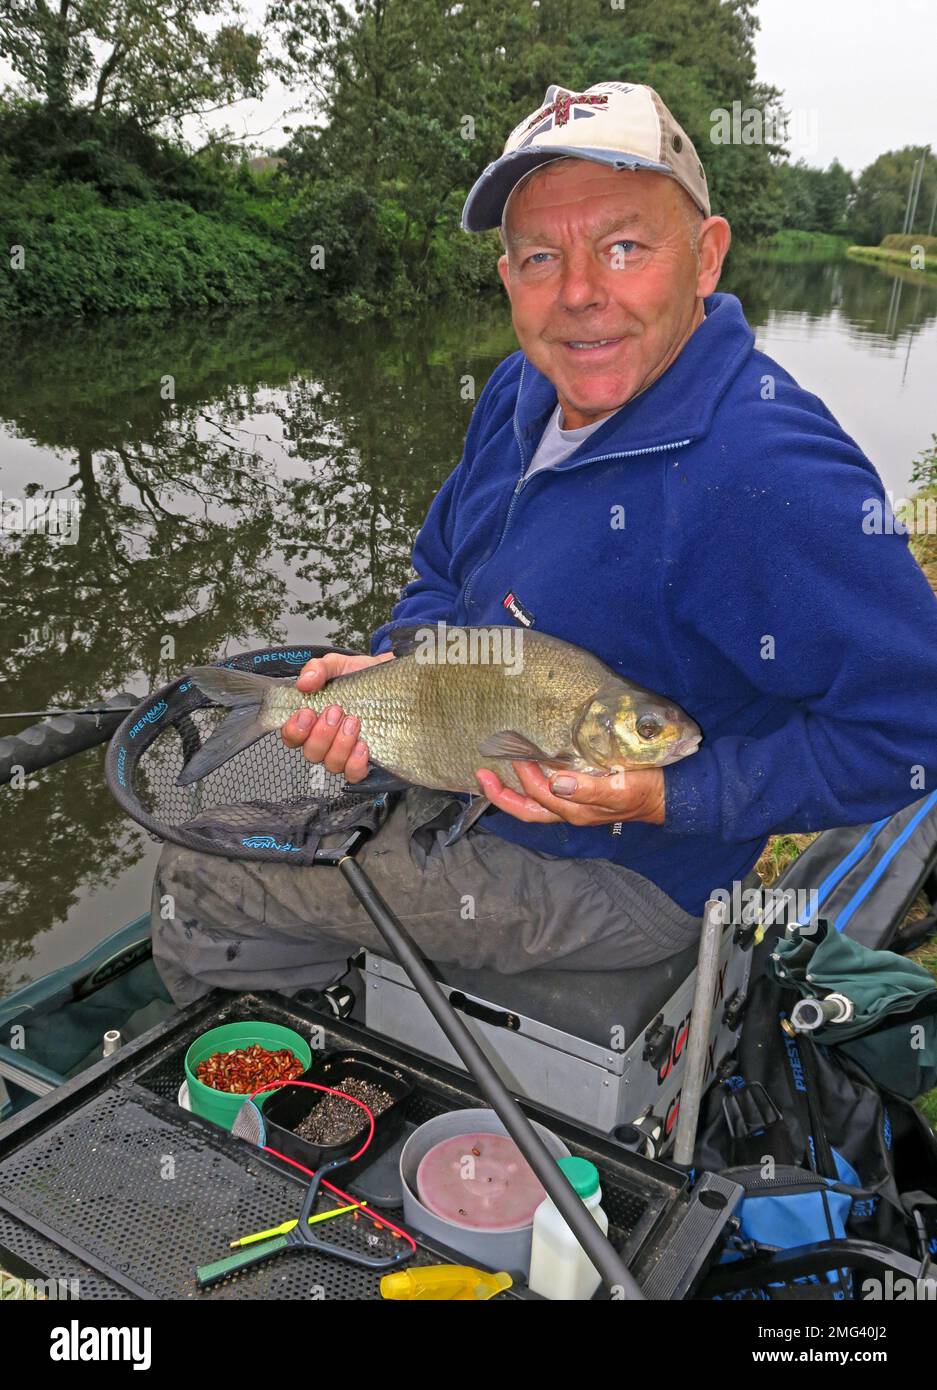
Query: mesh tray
[[109, 1176]]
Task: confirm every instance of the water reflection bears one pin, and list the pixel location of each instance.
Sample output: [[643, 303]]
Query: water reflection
[[868, 304]]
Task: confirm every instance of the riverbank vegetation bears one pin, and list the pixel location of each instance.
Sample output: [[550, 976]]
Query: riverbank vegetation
[[916, 253], [791, 244], [104, 207]]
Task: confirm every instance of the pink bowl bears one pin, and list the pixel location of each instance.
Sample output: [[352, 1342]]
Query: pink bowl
[[479, 1181]]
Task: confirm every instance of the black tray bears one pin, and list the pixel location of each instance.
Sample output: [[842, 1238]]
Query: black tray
[[83, 1194], [290, 1105]]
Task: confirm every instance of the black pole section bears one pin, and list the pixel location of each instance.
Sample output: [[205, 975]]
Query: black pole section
[[43, 744], [614, 1271], [56, 713]]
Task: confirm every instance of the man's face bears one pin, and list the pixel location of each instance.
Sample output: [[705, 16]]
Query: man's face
[[601, 254]]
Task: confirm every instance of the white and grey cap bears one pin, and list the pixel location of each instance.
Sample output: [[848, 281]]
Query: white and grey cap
[[621, 124]]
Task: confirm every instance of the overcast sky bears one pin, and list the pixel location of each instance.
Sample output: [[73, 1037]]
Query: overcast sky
[[859, 77], [860, 74]]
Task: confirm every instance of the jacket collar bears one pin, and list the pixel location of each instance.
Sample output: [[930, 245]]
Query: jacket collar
[[679, 406]]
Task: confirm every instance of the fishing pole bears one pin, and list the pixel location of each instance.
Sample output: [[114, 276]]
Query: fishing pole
[[54, 713], [46, 743], [614, 1272]]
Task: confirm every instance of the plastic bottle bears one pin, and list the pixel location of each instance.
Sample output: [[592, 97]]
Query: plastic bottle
[[559, 1267]]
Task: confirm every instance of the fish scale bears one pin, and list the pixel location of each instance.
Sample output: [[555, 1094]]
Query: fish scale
[[425, 722], [426, 715]]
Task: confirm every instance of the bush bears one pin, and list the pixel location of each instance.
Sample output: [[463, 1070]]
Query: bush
[[113, 218], [98, 259], [360, 259], [897, 241], [925, 466]]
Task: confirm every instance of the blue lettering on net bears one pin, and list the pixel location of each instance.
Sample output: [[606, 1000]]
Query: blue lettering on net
[[269, 842], [152, 715]]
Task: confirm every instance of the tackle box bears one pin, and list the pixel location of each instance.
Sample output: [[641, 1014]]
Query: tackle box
[[109, 1189], [625, 1066]]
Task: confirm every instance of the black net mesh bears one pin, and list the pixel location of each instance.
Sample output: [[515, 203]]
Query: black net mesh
[[267, 802]]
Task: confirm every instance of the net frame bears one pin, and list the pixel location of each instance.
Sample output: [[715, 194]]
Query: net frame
[[297, 812]]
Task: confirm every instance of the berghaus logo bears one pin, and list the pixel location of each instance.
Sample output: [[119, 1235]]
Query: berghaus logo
[[152, 715]]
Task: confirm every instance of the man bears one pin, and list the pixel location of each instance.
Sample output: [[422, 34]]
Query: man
[[637, 479]]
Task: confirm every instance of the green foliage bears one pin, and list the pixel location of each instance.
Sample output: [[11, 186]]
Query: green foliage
[[895, 262], [84, 257], [394, 82], [882, 195], [816, 200], [410, 98], [791, 244], [154, 61], [896, 242], [925, 466]]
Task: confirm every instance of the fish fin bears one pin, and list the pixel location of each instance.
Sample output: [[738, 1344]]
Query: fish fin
[[508, 743], [231, 688], [378, 781], [241, 728], [464, 822], [403, 640]]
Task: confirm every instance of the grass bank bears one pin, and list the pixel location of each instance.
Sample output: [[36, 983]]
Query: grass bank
[[889, 257], [789, 244], [80, 257]]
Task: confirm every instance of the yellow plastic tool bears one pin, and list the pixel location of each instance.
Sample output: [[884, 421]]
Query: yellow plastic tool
[[457, 1283], [288, 1225]]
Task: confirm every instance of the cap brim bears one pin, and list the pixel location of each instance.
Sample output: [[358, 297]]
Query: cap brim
[[484, 205]]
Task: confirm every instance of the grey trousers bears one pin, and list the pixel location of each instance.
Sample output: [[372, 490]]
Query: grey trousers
[[481, 903]]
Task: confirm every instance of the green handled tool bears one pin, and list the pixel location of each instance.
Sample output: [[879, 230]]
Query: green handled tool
[[301, 1237]]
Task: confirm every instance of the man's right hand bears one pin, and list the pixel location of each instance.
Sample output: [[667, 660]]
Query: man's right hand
[[332, 737]]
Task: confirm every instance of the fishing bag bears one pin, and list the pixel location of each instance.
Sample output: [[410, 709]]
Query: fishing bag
[[821, 1152]]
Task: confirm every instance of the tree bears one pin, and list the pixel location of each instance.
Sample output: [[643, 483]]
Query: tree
[[816, 200], [834, 190], [699, 55], [153, 60], [882, 195], [412, 98]]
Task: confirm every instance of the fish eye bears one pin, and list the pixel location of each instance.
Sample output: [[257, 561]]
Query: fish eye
[[648, 726]]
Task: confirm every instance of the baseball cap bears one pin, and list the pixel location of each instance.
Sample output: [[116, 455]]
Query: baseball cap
[[622, 124]]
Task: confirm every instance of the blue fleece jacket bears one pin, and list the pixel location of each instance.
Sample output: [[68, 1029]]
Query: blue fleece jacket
[[750, 582]]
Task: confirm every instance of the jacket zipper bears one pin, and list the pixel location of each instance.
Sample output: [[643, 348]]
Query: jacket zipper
[[555, 468]]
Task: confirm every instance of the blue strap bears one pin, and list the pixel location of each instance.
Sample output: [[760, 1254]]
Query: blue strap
[[865, 888], [854, 855]]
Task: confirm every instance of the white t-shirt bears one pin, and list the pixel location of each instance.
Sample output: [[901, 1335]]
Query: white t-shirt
[[557, 444]]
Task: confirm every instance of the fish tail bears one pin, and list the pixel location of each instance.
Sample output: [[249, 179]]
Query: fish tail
[[245, 695]]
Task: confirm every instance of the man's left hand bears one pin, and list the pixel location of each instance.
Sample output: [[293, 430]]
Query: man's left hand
[[577, 798]]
